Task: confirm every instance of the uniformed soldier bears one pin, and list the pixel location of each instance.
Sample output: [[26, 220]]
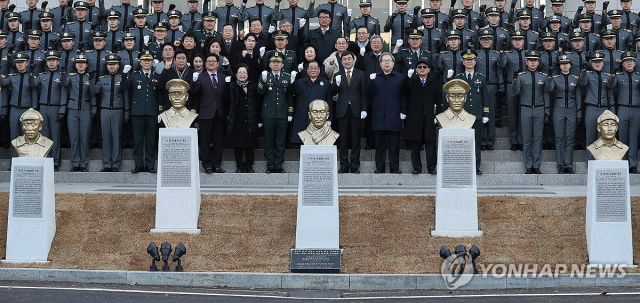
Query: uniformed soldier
[[591, 40], [612, 55], [4, 53], [576, 53], [372, 23], [564, 89], [487, 64], [598, 96], [557, 6], [129, 56], [173, 32], [29, 17], [208, 31], [500, 35], [81, 27], [96, 56], [534, 111], [450, 60], [629, 19], [157, 15], [49, 86], [530, 35], [459, 23], [95, 14], [192, 20], [513, 62], [61, 15], [81, 108], [407, 57], [229, 14], [477, 102], [624, 37], [340, 16], [596, 18], [636, 49], [37, 57], [126, 14], [561, 38], [16, 38], [295, 15], [289, 58], [548, 55], [472, 15], [146, 105], [115, 111], [442, 20], [433, 37], [114, 34], [626, 86], [399, 23], [50, 39], [17, 95], [159, 34], [140, 31], [67, 52], [277, 110], [534, 13]]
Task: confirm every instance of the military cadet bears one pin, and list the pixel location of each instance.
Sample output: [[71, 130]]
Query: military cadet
[[504, 15], [340, 16], [565, 24], [126, 14], [576, 53], [534, 107], [37, 57], [61, 15], [372, 23], [229, 14], [173, 31], [433, 36], [289, 58], [95, 13], [548, 55], [96, 56], [442, 20], [146, 105], [487, 64], [561, 38], [596, 18], [399, 23], [4, 10], [591, 40], [140, 31], [535, 14], [530, 35], [624, 37], [129, 56], [81, 108], [29, 17], [566, 96], [477, 102], [459, 23], [598, 97], [500, 35], [115, 111], [277, 110], [450, 60], [157, 15], [49, 86], [407, 58], [16, 38], [191, 20], [260, 11], [612, 54], [636, 49], [295, 15], [50, 39], [626, 86], [81, 28], [114, 34], [629, 19], [160, 35], [67, 52], [471, 15], [17, 95], [513, 62], [4, 55]]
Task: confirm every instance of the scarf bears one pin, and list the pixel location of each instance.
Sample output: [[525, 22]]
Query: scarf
[[243, 85], [317, 135]]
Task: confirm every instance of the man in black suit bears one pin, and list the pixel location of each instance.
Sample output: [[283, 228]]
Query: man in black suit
[[208, 92], [350, 109], [229, 45], [370, 64], [323, 38]]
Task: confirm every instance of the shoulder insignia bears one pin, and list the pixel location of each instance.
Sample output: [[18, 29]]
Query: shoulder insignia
[[619, 73], [575, 76], [12, 74], [285, 73], [555, 76], [543, 74], [42, 73], [459, 74], [103, 76], [72, 74], [535, 32], [89, 51], [72, 22], [3, 76], [522, 73]]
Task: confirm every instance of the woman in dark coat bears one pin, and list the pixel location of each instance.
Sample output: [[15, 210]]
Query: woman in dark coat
[[242, 121], [422, 106], [310, 53]]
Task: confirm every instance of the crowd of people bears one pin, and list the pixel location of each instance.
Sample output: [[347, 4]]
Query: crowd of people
[[98, 77]]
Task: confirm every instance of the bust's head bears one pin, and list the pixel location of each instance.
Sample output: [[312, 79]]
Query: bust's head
[[608, 126], [456, 94], [178, 93], [318, 113], [31, 121]]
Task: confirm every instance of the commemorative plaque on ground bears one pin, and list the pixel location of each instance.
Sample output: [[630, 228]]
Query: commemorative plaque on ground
[[32, 216], [608, 220], [178, 184], [456, 189], [318, 221]]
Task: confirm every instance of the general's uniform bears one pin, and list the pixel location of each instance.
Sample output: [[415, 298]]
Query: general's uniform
[[290, 60], [407, 59], [277, 106]]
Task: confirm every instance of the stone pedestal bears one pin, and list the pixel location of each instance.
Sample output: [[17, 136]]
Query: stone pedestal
[[32, 211], [178, 185], [456, 188], [608, 221]]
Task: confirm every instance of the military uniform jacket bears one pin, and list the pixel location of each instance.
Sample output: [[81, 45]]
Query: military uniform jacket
[[126, 18], [611, 60], [531, 39], [229, 14], [80, 96], [259, 11], [174, 35], [512, 62], [473, 18], [531, 88], [114, 40], [565, 24], [58, 13], [467, 36], [536, 16], [548, 61], [629, 19], [114, 95], [3, 18], [565, 91], [29, 18], [37, 57], [339, 17], [372, 23], [18, 39], [190, 16], [146, 95], [577, 59], [441, 19], [560, 36], [596, 26], [155, 48], [81, 30], [67, 60], [623, 38], [433, 39], [94, 14], [139, 33], [290, 60], [96, 61], [399, 26], [591, 42], [278, 100], [627, 86], [203, 37], [293, 14], [407, 59], [499, 35], [157, 17], [4, 61], [129, 58], [449, 60], [487, 64], [597, 91], [50, 88], [17, 93], [477, 102], [47, 38]]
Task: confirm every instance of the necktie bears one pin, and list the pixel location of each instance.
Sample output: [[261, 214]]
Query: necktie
[[214, 81], [147, 76], [469, 77], [349, 78], [423, 81], [277, 78]]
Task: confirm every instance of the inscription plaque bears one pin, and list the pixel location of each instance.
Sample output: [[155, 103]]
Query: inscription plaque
[[316, 260], [27, 191], [611, 195], [176, 161], [317, 180], [457, 162]]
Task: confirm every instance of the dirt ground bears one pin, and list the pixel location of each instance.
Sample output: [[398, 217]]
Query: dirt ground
[[381, 234]]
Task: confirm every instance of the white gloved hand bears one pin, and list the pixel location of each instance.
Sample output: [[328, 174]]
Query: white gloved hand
[[410, 73], [363, 115], [362, 50], [262, 49], [293, 76], [126, 68], [146, 39], [289, 119], [450, 73], [259, 125], [435, 121], [338, 79], [372, 76], [398, 42], [264, 75], [227, 79], [155, 61], [349, 12], [159, 119], [303, 22], [402, 116], [485, 120], [195, 76], [329, 123], [300, 66], [272, 29]]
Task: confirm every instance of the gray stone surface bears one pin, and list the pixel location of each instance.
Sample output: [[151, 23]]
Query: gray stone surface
[[545, 282], [248, 280], [383, 281], [19, 274], [171, 278], [315, 281]]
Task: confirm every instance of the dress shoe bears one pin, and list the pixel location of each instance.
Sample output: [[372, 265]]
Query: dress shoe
[[82, 169], [250, 170], [208, 170], [137, 170], [528, 171], [416, 172], [355, 171], [115, 170], [344, 169], [489, 147], [238, 171], [519, 146], [75, 169], [105, 170], [378, 172], [269, 170], [536, 171], [397, 172], [432, 171], [561, 170], [483, 147], [56, 168], [514, 147], [152, 170], [220, 170], [569, 170], [478, 172], [633, 170], [499, 125]]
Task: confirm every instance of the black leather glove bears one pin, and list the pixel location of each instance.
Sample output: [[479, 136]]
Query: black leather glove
[[513, 3], [32, 80], [12, 7], [92, 74], [80, 48], [580, 8], [60, 117], [172, 6], [550, 71], [63, 21], [416, 10], [126, 119], [483, 8], [32, 67], [563, 45], [542, 7], [605, 5], [586, 66], [245, 2], [445, 24], [453, 3], [515, 75], [43, 6], [393, 16]]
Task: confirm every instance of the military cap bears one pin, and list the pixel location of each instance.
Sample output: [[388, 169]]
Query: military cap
[[53, 54], [44, 16], [564, 59], [454, 34], [524, 14], [4, 33], [456, 86], [175, 14], [532, 55], [140, 12], [275, 57], [585, 18], [555, 19], [81, 58], [12, 16], [31, 114], [597, 56], [34, 33], [425, 60], [80, 5], [400, 1], [625, 0], [113, 15], [157, 0], [280, 35], [635, 37], [608, 33], [547, 36], [416, 34], [192, 1], [20, 57], [517, 34], [459, 13], [67, 36], [608, 115], [493, 11], [576, 36], [615, 13], [428, 12], [209, 16], [485, 33], [585, 1], [160, 26], [557, 2], [98, 36], [628, 56], [469, 54], [129, 36], [112, 59], [145, 55], [365, 3], [177, 85]]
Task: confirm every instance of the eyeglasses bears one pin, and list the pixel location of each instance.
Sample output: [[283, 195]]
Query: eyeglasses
[[341, 43], [386, 61], [325, 17], [211, 61], [422, 67], [242, 73]]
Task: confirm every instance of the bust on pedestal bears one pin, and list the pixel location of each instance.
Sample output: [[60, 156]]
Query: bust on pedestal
[[318, 132]]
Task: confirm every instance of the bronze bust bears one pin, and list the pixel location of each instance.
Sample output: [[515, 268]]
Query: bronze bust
[[178, 116], [455, 116], [318, 132], [607, 147], [32, 143]]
